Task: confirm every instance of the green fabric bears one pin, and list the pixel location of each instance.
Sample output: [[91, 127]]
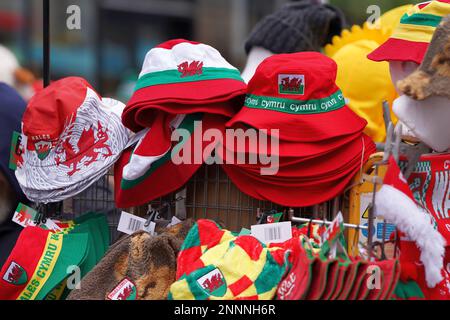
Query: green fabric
[[270, 275], [422, 19], [188, 124], [174, 76], [73, 253], [303, 107], [408, 290]]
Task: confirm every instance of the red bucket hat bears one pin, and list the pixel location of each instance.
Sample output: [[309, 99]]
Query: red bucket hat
[[411, 38], [182, 77], [297, 94], [70, 135]]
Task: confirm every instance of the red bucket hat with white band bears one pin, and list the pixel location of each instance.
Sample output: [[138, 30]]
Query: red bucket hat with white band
[[297, 94], [412, 37], [70, 136]]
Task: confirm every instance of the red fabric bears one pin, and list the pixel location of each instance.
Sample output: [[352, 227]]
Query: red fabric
[[319, 279], [340, 282], [240, 286], [288, 188], [251, 246], [26, 253], [224, 97], [167, 178], [430, 185], [172, 43], [50, 110], [400, 50], [332, 278], [320, 76]]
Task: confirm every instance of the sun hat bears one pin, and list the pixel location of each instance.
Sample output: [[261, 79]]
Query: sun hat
[[411, 38], [39, 262], [303, 183], [432, 78], [297, 94], [370, 84], [181, 77], [70, 136]]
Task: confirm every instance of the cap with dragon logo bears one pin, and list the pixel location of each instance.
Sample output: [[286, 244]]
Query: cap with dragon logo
[[411, 38], [70, 137]]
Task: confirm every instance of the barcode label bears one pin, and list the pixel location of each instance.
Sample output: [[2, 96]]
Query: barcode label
[[129, 224], [134, 225], [274, 232]]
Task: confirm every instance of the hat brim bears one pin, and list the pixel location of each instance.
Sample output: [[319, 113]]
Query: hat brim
[[305, 128], [164, 176], [400, 50], [190, 97], [47, 175]]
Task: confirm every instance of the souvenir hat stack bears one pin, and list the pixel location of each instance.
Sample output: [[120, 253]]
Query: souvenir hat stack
[[70, 139], [411, 38], [321, 141], [183, 85]]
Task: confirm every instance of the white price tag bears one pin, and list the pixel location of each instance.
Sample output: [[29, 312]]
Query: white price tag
[[273, 232], [130, 224], [174, 222]]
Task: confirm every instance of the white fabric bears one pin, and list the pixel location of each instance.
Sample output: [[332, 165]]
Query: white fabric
[[255, 57], [8, 65], [139, 164], [46, 176], [397, 208], [427, 119], [160, 59]]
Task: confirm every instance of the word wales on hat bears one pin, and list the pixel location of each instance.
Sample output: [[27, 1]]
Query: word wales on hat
[[70, 138]]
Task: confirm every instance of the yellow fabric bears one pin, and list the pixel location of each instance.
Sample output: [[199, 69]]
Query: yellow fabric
[[414, 33], [40, 276], [365, 83], [179, 292], [234, 257], [391, 19]]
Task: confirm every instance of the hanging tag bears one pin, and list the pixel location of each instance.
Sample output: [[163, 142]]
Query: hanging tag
[[334, 229], [174, 222], [25, 216], [15, 155], [130, 224], [273, 232], [274, 218]]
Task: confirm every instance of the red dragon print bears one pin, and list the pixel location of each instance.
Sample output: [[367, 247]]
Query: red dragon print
[[213, 284], [24, 217], [15, 274], [190, 69], [87, 146], [289, 84], [125, 294]]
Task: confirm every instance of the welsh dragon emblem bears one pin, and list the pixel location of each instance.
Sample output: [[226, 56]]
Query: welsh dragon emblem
[[190, 69]]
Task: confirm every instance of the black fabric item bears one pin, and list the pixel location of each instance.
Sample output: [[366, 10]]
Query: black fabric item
[[305, 25], [12, 107], [9, 233]]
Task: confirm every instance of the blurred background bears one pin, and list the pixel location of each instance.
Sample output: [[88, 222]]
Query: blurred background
[[116, 34]]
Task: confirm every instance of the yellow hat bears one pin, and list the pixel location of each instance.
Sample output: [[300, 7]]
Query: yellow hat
[[365, 83]]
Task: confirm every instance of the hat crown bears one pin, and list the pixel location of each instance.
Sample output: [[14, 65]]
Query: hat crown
[[50, 109], [173, 54], [297, 76]]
